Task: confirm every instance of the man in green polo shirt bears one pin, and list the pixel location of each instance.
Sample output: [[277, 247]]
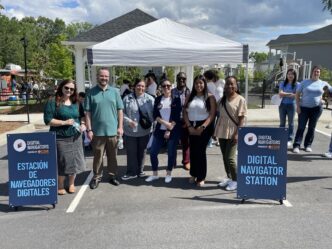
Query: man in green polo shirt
[[104, 121]]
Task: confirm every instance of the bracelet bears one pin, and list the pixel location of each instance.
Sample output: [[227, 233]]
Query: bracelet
[[88, 130]]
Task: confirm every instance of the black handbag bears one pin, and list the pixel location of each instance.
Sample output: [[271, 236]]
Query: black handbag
[[144, 121]]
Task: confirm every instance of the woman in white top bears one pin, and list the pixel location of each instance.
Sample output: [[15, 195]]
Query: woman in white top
[[199, 114]]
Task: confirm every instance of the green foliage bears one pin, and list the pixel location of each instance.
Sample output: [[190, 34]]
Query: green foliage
[[258, 56], [128, 73], [326, 75], [327, 5], [44, 50], [170, 73]]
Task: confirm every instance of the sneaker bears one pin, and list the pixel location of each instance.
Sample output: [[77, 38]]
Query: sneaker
[[289, 144], [168, 179], [114, 181], [296, 150], [151, 178], [328, 154], [231, 186], [308, 149], [127, 177], [224, 182], [142, 174]]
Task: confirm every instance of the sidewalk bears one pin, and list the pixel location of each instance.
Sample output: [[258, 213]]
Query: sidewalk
[[268, 116]]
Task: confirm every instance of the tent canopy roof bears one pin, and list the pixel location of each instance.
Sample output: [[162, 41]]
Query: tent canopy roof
[[165, 42]]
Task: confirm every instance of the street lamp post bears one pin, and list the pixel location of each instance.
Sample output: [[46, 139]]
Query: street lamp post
[[25, 45]]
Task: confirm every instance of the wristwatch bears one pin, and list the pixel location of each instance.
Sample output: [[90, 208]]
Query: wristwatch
[[88, 130]]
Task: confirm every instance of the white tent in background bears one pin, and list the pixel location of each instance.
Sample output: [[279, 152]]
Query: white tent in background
[[166, 43]]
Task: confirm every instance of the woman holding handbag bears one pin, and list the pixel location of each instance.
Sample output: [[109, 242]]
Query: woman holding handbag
[[167, 113], [232, 109], [138, 106]]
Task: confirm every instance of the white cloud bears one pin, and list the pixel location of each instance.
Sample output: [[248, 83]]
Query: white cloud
[[248, 21]]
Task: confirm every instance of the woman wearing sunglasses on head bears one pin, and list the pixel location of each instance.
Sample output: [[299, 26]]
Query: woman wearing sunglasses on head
[[167, 113], [65, 116]]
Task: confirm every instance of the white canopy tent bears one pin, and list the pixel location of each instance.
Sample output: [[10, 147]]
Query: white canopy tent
[[166, 43]]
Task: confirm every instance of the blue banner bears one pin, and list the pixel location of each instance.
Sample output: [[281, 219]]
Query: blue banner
[[262, 163], [32, 169]]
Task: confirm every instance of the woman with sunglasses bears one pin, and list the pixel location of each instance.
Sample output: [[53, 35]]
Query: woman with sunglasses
[[167, 113], [65, 116], [136, 137], [199, 114]]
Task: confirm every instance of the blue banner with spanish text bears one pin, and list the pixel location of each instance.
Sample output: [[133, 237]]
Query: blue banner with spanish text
[[262, 163], [32, 168]]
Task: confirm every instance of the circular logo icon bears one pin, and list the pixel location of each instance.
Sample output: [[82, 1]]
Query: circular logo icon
[[250, 139], [19, 145]]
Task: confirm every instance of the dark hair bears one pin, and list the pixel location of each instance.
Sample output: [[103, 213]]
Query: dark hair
[[205, 92], [125, 81], [151, 75], [315, 67], [81, 94], [228, 78], [210, 75], [291, 70], [59, 93], [138, 80], [179, 74]]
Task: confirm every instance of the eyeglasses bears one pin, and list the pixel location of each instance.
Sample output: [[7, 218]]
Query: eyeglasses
[[168, 86], [69, 88], [182, 78]]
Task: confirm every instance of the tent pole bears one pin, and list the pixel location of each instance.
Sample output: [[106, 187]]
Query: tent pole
[[247, 79]]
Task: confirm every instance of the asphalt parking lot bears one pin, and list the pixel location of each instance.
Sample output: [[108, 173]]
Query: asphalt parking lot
[[137, 214]]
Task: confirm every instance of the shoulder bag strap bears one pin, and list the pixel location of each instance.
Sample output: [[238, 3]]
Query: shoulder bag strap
[[230, 116]]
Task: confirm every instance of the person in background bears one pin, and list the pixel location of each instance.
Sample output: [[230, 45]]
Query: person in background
[[13, 84], [167, 112], [151, 85], [232, 109], [199, 114], [124, 86], [104, 122], [287, 92], [309, 107], [211, 78], [136, 137], [86, 140], [63, 114], [182, 92]]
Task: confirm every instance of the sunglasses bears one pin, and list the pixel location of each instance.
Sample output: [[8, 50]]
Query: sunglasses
[[182, 78], [69, 88], [168, 86]]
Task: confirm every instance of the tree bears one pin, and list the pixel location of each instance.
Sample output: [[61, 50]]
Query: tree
[[327, 5], [258, 56]]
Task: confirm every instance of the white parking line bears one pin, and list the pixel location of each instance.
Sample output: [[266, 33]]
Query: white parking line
[[79, 195], [324, 133]]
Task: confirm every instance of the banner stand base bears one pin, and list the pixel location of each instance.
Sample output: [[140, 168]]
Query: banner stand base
[[280, 201], [15, 208]]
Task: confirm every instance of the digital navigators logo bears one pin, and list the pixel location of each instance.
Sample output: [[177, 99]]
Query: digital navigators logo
[[19, 145], [250, 139]]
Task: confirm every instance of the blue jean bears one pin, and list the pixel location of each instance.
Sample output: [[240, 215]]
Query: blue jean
[[310, 116], [157, 144], [287, 110]]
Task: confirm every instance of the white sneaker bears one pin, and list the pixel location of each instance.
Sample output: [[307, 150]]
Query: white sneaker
[[224, 182], [151, 178], [328, 154], [168, 179], [296, 150], [308, 149], [231, 186], [289, 144]]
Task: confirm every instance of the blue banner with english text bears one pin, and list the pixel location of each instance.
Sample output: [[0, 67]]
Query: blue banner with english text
[[262, 163]]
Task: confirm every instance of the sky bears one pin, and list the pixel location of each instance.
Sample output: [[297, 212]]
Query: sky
[[253, 22]]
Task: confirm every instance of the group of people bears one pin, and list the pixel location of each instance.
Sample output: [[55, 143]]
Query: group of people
[[306, 100], [177, 114], [191, 116]]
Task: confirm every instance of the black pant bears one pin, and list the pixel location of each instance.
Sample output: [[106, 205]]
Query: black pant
[[198, 144]]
